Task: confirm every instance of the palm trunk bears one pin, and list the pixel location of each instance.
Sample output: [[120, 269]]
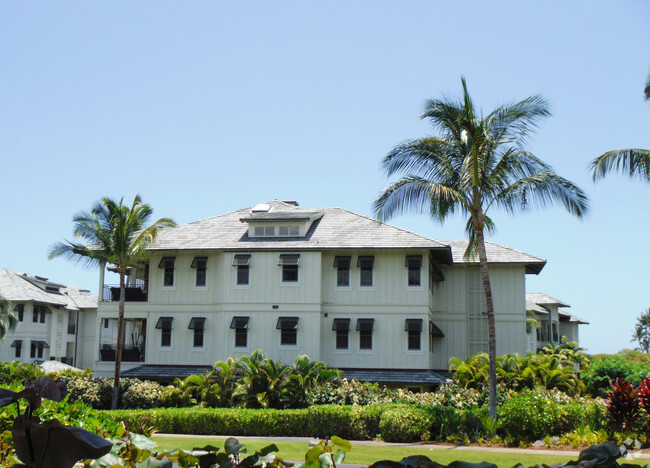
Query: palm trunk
[[492, 341], [120, 340]]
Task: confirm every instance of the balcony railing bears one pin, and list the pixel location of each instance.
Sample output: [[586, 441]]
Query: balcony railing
[[108, 353], [135, 293]]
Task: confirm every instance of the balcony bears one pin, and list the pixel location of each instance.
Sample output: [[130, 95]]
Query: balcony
[[129, 354], [135, 293]]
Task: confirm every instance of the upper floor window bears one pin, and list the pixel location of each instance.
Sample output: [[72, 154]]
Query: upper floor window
[[366, 264], [413, 328], [414, 267], [243, 263], [20, 311], [164, 324], [18, 345], [365, 328], [240, 325], [198, 325], [201, 266], [167, 264], [289, 230], [289, 264], [39, 314], [342, 265], [288, 327], [342, 328], [264, 231]]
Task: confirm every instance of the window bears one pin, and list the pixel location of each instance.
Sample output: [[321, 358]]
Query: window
[[414, 266], [18, 345], [198, 325], [201, 266], [243, 264], [342, 328], [366, 264], [289, 230], [342, 265], [105, 323], [413, 328], [20, 310], [240, 325], [264, 231], [36, 349], [434, 332], [167, 263], [365, 327], [39, 314], [289, 264], [555, 333], [165, 326], [288, 327]]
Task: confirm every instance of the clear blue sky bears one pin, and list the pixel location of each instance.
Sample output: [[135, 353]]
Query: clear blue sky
[[208, 107]]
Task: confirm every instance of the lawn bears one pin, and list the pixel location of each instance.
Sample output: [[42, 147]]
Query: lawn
[[368, 454]]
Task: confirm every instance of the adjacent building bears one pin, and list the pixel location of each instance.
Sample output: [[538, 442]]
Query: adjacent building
[[553, 322], [377, 301], [55, 322]]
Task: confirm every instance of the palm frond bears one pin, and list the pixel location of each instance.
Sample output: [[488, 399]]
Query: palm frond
[[632, 162]]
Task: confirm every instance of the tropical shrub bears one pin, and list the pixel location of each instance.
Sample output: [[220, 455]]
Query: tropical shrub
[[603, 369], [528, 417], [405, 424], [96, 392], [622, 405], [142, 395]]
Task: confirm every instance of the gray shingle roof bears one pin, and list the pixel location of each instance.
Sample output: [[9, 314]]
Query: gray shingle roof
[[401, 376], [16, 286], [541, 299], [336, 229], [497, 254], [571, 318], [164, 372]]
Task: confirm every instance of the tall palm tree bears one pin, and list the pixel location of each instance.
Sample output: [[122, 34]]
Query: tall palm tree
[[115, 234], [633, 161], [475, 164], [8, 319]]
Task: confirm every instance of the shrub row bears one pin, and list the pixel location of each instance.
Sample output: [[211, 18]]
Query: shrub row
[[525, 418]]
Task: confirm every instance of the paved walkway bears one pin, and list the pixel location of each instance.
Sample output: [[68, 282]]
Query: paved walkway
[[572, 453]]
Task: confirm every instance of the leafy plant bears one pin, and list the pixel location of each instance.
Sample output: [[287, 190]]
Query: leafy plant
[[326, 453], [622, 405], [49, 444]]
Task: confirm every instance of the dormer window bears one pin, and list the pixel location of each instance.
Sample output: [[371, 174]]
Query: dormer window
[[264, 231], [289, 230]]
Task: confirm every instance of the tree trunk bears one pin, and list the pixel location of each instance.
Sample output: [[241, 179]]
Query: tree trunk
[[120, 340], [492, 340]]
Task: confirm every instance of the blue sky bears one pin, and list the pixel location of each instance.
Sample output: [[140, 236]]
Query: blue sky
[[208, 107]]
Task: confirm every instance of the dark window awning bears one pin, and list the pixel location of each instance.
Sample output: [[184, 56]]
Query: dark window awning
[[197, 323], [366, 261], [435, 272], [365, 324], [341, 324], [396, 376], [413, 325], [241, 260], [164, 322], [287, 323], [289, 259], [413, 261], [435, 331], [239, 322], [342, 261], [167, 262], [199, 262], [17, 343], [40, 344]]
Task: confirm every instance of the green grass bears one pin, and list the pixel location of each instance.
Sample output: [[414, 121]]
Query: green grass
[[368, 454]]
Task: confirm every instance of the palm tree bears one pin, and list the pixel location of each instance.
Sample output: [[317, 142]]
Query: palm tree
[[476, 163], [8, 319], [633, 161], [641, 333], [115, 234]]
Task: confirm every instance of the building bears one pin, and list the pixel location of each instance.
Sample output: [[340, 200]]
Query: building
[[377, 301], [55, 322], [554, 323]]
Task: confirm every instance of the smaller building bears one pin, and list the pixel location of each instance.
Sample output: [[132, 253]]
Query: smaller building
[[554, 323], [55, 321]]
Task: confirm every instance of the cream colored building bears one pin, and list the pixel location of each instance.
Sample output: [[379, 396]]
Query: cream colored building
[[380, 302], [56, 322], [554, 323]]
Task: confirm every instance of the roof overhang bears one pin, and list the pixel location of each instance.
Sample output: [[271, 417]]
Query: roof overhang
[[396, 376]]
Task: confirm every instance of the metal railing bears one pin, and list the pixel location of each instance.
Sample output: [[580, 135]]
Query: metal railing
[[135, 293]]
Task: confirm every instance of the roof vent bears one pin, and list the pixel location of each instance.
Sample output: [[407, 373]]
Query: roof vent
[[261, 208], [290, 202]]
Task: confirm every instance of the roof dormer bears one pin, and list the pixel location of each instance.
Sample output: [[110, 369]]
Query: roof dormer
[[266, 220]]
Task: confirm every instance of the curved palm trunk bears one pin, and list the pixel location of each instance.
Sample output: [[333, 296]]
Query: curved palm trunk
[[492, 341], [120, 340]]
